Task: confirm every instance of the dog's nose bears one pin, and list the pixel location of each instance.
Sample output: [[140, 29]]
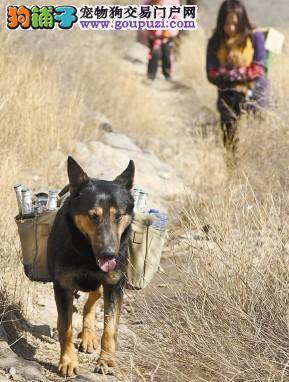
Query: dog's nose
[[108, 254]]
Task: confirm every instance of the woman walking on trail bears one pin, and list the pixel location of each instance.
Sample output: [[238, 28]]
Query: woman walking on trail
[[236, 58], [160, 44]]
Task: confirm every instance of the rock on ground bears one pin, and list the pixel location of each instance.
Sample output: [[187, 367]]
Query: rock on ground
[[107, 158], [17, 367]]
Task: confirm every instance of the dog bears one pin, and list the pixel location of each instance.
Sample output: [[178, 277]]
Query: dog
[[87, 251]]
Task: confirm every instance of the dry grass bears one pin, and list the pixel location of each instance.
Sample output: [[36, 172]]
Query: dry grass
[[228, 320]]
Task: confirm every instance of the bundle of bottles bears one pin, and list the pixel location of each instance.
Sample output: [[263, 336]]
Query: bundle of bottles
[[30, 205], [161, 219]]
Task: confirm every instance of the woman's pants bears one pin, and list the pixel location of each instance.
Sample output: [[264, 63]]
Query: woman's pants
[[163, 53], [230, 104]]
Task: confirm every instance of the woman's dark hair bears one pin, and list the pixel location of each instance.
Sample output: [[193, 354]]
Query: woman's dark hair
[[244, 26]]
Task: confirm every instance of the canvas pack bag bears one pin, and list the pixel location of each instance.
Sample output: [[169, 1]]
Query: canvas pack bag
[[145, 248], [33, 233]]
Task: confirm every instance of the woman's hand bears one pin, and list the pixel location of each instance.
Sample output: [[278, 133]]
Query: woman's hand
[[241, 89], [229, 77], [243, 74], [233, 75]]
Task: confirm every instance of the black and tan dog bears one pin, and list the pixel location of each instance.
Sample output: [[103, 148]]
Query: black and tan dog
[[87, 251]]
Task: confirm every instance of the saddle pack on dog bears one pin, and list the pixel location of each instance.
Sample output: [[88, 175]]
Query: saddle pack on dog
[[145, 247]]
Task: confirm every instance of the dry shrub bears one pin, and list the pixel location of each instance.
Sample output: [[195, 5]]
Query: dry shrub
[[227, 321]]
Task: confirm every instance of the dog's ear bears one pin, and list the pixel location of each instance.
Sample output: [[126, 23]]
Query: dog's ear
[[77, 177], [125, 179]]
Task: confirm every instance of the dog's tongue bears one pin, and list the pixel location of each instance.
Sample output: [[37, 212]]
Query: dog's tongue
[[107, 265]]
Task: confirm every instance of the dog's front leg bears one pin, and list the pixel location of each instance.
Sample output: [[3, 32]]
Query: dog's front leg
[[87, 336], [113, 296], [68, 364]]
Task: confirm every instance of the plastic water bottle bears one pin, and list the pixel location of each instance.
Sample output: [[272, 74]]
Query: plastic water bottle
[[161, 219], [140, 199]]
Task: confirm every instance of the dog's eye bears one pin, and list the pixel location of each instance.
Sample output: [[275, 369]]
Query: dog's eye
[[95, 218], [118, 217]]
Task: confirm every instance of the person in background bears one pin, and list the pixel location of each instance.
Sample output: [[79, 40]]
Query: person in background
[[236, 58], [160, 45]]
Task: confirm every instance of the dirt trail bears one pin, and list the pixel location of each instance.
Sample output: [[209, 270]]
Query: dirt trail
[[38, 339]]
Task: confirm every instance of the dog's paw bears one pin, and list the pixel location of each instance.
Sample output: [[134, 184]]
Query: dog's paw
[[103, 366], [68, 365], [88, 341]]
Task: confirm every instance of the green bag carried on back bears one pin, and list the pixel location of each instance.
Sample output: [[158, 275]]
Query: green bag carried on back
[[274, 41]]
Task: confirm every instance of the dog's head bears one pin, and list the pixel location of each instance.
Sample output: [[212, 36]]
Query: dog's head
[[101, 210]]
